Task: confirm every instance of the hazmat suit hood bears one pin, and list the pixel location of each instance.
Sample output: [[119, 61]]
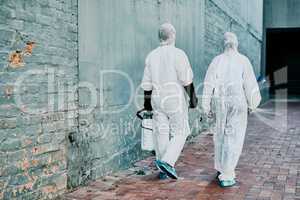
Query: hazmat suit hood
[[230, 42]]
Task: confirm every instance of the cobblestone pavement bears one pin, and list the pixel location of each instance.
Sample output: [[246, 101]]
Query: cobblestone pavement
[[269, 168]]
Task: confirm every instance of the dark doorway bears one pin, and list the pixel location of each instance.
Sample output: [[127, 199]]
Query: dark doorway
[[283, 50]]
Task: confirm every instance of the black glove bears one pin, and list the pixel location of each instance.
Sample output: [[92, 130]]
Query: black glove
[[250, 111], [147, 100], [191, 92]]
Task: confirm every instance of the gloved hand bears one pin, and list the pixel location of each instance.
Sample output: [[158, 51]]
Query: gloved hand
[[209, 114], [193, 102], [190, 90], [249, 111], [147, 100]]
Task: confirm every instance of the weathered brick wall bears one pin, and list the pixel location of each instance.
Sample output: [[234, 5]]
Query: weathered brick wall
[[33, 142]]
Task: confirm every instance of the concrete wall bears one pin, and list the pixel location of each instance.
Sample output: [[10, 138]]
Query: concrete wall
[[279, 14], [34, 132], [282, 13]]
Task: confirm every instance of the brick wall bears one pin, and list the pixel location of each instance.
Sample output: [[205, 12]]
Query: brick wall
[[38, 104]]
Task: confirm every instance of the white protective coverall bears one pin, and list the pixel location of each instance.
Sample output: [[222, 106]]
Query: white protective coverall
[[230, 82], [167, 71]]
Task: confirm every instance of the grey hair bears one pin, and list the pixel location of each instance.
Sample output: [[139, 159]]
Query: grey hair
[[167, 33]]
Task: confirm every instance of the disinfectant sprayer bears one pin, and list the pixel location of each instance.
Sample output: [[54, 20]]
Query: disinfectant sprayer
[[147, 139]]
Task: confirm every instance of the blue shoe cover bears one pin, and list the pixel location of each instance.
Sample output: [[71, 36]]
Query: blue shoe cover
[[166, 168], [227, 183], [162, 176]]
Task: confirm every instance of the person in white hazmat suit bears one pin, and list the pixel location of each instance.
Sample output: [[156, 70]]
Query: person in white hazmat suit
[[230, 85], [167, 77]]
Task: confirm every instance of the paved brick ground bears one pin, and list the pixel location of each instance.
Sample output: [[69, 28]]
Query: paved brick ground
[[269, 168]]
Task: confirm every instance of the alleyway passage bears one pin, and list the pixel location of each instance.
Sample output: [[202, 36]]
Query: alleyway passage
[[269, 168]]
